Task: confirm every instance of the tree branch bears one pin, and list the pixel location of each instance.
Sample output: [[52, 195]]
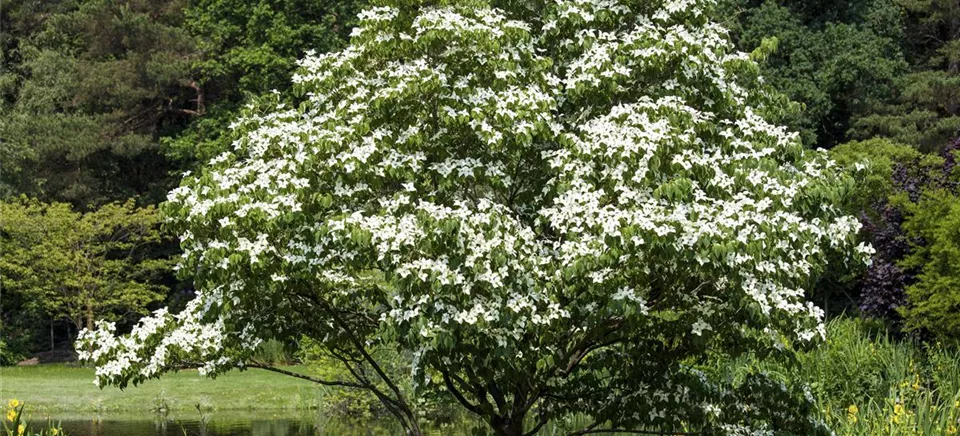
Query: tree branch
[[304, 376], [393, 406], [478, 391], [397, 406], [622, 430], [587, 344], [497, 396], [456, 393], [358, 345]]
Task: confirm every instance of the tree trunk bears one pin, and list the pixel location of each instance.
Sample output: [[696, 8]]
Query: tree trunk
[[507, 426], [89, 317]]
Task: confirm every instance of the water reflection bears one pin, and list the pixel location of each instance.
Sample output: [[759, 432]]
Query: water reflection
[[230, 427], [271, 427]]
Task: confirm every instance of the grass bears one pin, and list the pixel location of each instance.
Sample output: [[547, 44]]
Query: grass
[[68, 390]]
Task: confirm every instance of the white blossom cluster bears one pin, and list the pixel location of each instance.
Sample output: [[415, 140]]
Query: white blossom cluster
[[477, 182], [154, 344]]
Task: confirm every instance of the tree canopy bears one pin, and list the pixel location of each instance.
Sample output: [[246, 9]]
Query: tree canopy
[[88, 94], [554, 208], [249, 49], [82, 267], [839, 59]]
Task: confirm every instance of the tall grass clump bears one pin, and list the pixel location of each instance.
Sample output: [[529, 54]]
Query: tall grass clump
[[866, 382], [274, 352]]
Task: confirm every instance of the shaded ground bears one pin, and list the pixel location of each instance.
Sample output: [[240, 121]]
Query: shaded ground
[[55, 356]]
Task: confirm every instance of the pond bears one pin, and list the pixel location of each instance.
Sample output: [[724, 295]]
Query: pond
[[230, 425], [165, 427]]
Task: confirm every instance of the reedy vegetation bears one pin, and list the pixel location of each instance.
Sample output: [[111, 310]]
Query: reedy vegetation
[[867, 383]]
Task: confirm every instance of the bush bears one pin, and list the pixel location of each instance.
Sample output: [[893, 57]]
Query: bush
[[4, 357], [934, 298], [910, 210], [889, 168], [13, 345], [882, 157]]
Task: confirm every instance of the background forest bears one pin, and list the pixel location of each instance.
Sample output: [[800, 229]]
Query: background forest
[[106, 103]]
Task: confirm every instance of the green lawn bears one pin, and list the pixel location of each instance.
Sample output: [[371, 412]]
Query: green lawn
[[63, 389]]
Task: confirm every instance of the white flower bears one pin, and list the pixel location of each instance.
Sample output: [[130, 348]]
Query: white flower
[[700, 326]]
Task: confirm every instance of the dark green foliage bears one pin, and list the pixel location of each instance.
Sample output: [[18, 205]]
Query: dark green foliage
[[925, 109], [925, 113], [5, 357], [861, 68], [87, 95], [24, 325], [838, 59], [18, 20], [90, 90], [250, 48]]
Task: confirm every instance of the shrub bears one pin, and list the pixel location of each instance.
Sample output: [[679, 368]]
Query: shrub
[[7, 357], [882, 159], [918, 248], [934, 297], [909, 201], [11, 351], [881, 285]]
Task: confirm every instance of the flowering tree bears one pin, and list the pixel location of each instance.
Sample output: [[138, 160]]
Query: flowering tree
[[554, 208]]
